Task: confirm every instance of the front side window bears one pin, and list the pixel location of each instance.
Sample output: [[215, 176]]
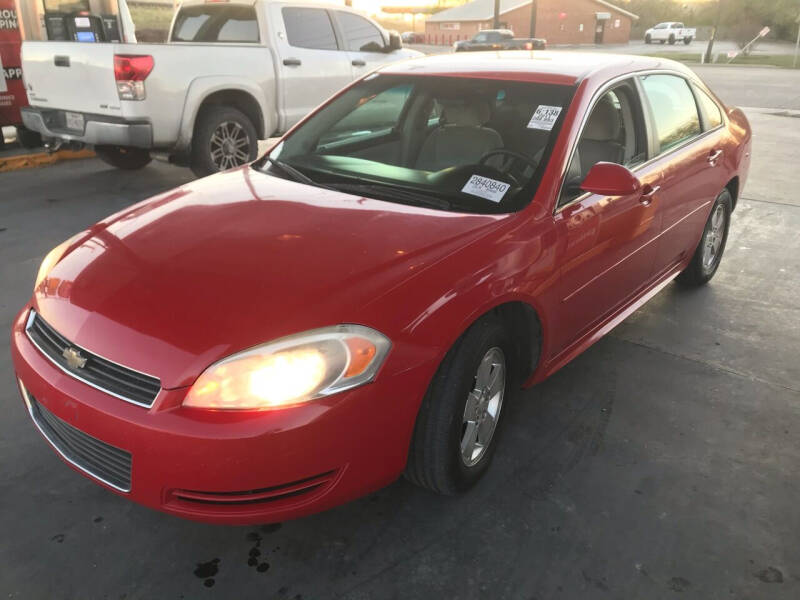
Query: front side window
[[477, 145], [710, 109], [309, 28], [673, 108], [360, 34], [209, 23], [614, 132]]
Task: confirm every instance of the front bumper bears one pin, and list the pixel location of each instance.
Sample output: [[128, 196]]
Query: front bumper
[[235, 467], [99, 130]]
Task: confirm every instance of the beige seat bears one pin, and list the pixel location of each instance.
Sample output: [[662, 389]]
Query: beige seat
[[461, 139]]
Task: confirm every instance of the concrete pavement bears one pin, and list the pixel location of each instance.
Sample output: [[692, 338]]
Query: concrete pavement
[[663, 463]]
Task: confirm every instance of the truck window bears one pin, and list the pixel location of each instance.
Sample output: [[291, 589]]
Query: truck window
[[674, 109], [209, 23], [309, 28], [360, 35]]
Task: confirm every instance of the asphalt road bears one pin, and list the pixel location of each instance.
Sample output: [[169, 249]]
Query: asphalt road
[[662, 463]]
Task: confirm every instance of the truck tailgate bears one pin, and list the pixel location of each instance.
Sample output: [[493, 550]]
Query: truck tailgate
[[71, 76]]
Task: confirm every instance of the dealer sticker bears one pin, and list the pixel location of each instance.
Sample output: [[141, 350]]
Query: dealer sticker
[[483, 187], [544, 117]]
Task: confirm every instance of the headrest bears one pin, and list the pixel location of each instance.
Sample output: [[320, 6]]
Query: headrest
[[603, 124], [465, 113]]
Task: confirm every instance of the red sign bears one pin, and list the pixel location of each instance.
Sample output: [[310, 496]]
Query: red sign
[[12, 92]]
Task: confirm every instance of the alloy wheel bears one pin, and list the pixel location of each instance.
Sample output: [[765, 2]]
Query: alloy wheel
[[482, 410], [712, 241], [230, 146]]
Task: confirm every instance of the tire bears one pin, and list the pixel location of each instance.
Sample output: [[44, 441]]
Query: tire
[[27, 138], [219, 129], [123, 157], [648, 39], [671, 40], [435, 459], [702, 266], [687, 40]]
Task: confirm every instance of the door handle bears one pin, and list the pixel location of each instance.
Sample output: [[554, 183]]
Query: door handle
[[292, 62], [713, 157], [648, 193], [61, 61], [358, 63]]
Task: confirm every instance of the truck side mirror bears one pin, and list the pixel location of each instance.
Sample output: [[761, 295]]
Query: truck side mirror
[[395, 41]]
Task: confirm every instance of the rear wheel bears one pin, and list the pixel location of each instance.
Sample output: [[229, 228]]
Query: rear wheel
[[28, 138], [123, 157], [224, 138], [708, 255], [459, 422], [687, 40]]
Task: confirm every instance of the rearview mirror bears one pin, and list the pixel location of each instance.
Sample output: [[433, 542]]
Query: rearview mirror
[[610, 179], [395, 41]]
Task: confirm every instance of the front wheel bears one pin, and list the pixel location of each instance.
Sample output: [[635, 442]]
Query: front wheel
[[123, 157], [671, 40], [708, 255], [458, 424], [648, 39], [224, 138], [687, 40]]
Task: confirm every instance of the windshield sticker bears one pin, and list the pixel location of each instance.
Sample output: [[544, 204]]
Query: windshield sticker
[[544, 117], [483, 187]]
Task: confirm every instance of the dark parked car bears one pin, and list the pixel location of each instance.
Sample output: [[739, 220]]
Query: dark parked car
[[498, 39]]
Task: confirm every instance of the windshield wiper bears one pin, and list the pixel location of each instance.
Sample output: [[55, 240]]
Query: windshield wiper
[[397, 193], [295, 174]]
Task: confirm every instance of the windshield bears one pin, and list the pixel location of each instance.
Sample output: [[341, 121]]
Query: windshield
[[464, 144]]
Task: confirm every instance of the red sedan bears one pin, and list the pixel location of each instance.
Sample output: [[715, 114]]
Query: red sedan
[[362, 302]]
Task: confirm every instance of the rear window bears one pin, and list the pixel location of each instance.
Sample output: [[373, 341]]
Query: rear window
[[710, 109], [309, 28], [674, 109], [210, 23]]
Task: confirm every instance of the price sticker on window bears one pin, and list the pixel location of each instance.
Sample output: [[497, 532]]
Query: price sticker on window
[[545, 117], [483, 187]]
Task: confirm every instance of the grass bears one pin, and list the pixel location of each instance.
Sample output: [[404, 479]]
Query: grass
[[774, 60]]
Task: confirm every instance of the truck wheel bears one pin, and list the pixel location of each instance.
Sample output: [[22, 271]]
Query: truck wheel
[[123, 157], [648, 39], [27, 138], [687, 40], [671, 39], [224, 138], [457, 427]]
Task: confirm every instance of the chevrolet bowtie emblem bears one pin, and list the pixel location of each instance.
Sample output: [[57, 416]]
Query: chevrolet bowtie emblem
[[74, 358]]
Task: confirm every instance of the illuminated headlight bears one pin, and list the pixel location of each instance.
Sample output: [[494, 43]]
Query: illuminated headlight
[[292, 370]]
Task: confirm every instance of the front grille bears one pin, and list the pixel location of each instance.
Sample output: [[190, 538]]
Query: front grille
[[276, 493], [103, 461], [122, 382]]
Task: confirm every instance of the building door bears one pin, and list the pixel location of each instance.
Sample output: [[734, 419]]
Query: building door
[[598, 32]]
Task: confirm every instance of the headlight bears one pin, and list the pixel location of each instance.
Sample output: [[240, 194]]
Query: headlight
[[51, 260], [292, 370]]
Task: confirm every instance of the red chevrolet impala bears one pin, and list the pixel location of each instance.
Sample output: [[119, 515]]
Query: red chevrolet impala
[[362, 302]]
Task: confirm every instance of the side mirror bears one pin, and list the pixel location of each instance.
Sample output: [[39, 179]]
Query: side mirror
[[395, 41], [610, 179]]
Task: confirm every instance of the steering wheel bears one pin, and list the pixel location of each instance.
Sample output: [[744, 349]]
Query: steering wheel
[[513, 157]]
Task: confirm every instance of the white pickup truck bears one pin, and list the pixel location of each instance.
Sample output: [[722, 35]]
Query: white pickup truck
[[231, 73], [671, 32]]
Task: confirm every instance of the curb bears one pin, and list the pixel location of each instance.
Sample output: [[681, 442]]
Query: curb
[[42, 159]]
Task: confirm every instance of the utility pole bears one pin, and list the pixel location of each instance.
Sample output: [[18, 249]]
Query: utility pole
[[710, 48], [532, 34], [796, 44], [496, 14]]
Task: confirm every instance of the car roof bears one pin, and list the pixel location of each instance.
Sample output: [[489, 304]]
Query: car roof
[[566, 68]]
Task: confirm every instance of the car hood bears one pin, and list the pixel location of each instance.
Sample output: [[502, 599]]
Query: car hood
[[179, 281]]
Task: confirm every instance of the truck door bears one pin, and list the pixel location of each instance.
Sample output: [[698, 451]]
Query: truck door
[[312, 66], [363, 41]]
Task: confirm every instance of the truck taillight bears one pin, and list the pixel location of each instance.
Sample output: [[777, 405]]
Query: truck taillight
[[130, 71]]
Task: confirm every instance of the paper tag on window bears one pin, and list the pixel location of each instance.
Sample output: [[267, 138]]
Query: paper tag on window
[[544, 117], [483, 187]]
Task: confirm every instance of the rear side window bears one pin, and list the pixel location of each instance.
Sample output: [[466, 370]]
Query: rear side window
[[209, 23], [710, 109], [309, 28], [674, 109], [360, 34]]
